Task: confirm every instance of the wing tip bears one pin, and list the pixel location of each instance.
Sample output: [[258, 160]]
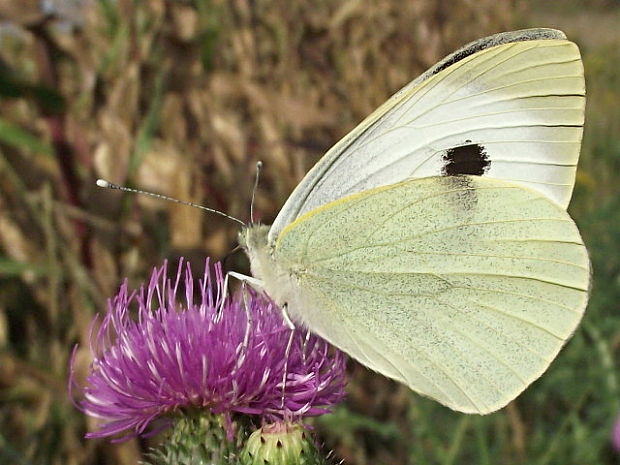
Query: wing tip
[[521, 35]]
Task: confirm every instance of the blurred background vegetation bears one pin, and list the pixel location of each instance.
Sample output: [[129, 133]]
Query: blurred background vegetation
[[183, 97]]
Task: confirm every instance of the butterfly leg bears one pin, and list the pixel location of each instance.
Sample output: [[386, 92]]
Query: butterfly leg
[[287, 319], [249, 323], [258, 285], [255, 283], [287, 352]]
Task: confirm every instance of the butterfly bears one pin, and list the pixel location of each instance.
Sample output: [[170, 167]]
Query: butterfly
[[432, 243]]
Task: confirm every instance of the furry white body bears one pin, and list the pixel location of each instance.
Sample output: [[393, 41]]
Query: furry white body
[[280, 283]]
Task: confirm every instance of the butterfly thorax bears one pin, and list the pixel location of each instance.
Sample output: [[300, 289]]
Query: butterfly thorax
[[275, 279]]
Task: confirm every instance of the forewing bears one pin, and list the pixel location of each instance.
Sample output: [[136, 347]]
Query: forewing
[[463, 288], [510, 106]]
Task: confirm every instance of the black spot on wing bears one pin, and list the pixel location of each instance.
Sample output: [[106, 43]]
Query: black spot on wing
[[469, 159]]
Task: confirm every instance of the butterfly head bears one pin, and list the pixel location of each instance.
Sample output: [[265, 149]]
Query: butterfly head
[[253, 240], [253, 236]]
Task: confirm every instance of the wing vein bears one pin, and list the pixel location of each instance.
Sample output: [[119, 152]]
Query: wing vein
[[472, 62], [516, 294], [501, 275], [516, 342], [454, 378], [431, 232], [497, 113]]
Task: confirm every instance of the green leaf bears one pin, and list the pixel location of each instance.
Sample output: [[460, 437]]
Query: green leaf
[[10, 267], [23, 139]]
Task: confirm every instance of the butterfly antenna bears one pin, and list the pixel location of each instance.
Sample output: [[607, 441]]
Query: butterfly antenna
[[259, 165], [108, 185]]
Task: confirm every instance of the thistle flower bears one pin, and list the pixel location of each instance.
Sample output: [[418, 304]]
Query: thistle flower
[[233, 355], [281, 443]]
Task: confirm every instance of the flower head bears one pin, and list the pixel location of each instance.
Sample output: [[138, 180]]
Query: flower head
[[233, 355], [282, 443]]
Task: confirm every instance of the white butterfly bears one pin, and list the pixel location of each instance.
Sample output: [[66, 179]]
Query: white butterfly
[[432, 242]]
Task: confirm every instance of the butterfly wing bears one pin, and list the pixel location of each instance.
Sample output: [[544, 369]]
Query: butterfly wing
[[463, 288], [510, 106]]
